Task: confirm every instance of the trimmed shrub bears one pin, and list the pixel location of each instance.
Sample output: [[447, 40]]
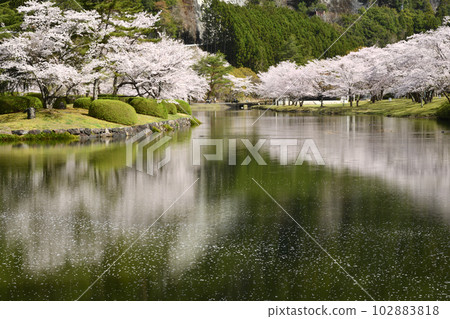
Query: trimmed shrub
[[443, 113], [170, 107], [60, 103], [12, 104], [113, 111], [183, 107], [82, 103], [34, 102], [38, 95], [122, 98], [149, 107]]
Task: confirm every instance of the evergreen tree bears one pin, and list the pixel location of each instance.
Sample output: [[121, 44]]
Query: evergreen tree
[[214, 67]]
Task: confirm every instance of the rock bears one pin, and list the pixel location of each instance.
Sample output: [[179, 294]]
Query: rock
[[114, 130], [141, 128], [129, 130], [47, 131], [74, 131], [59, 131], [86, 131], [119, 135], [31, 113], [19, 132], [106, 132], [34, 132]]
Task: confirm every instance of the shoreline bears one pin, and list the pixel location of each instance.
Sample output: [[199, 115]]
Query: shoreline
[[93, 133], [401, 108]]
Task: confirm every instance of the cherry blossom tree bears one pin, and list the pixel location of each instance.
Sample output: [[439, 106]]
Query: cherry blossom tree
[[317, 71], [47, 54], [133, 28], [241, 85], [418, 67], [423, 64], [347, 76], [161, 69]]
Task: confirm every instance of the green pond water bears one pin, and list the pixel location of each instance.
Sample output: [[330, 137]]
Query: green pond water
[[77, 223]]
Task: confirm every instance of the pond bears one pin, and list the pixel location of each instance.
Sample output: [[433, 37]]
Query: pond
[[373, 222]]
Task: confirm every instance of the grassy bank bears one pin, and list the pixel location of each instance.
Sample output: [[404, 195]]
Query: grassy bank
[[65, 119], [57, 137], [394, 108]]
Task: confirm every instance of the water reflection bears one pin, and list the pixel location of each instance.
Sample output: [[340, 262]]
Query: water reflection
[[378, 206]]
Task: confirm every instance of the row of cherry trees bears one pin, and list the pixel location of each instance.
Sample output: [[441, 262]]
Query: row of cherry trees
[[61, 52], [418, 67]]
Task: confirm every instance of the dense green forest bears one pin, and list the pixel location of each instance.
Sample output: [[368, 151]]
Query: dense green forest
[[258, 36], [261, 34]]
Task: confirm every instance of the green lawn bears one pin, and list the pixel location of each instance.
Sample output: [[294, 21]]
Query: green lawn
[[395, 108], [65, 119]]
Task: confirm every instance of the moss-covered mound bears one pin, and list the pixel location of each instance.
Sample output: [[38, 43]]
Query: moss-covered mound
[[443, 113], [183, 107], [82, 103], [170, 107], [149, 107], [12, 104], [113, 111]]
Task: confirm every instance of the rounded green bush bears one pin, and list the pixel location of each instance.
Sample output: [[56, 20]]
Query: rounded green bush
[[113, 111], [60, 103], [12, 104], [183, 107], [171, 108], [38, 95], [443, 113], [82, 103], [122, 98], [149, 107], [34, 102]]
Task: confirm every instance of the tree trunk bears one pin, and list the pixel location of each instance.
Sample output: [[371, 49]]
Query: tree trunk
[[416, 97], [429, 96], [373, 98], [447, 96], [358, 97], [380, 97], [301, 102], [46, 99], [95, 89], [321, 101], [115, 88], [350, 97]]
